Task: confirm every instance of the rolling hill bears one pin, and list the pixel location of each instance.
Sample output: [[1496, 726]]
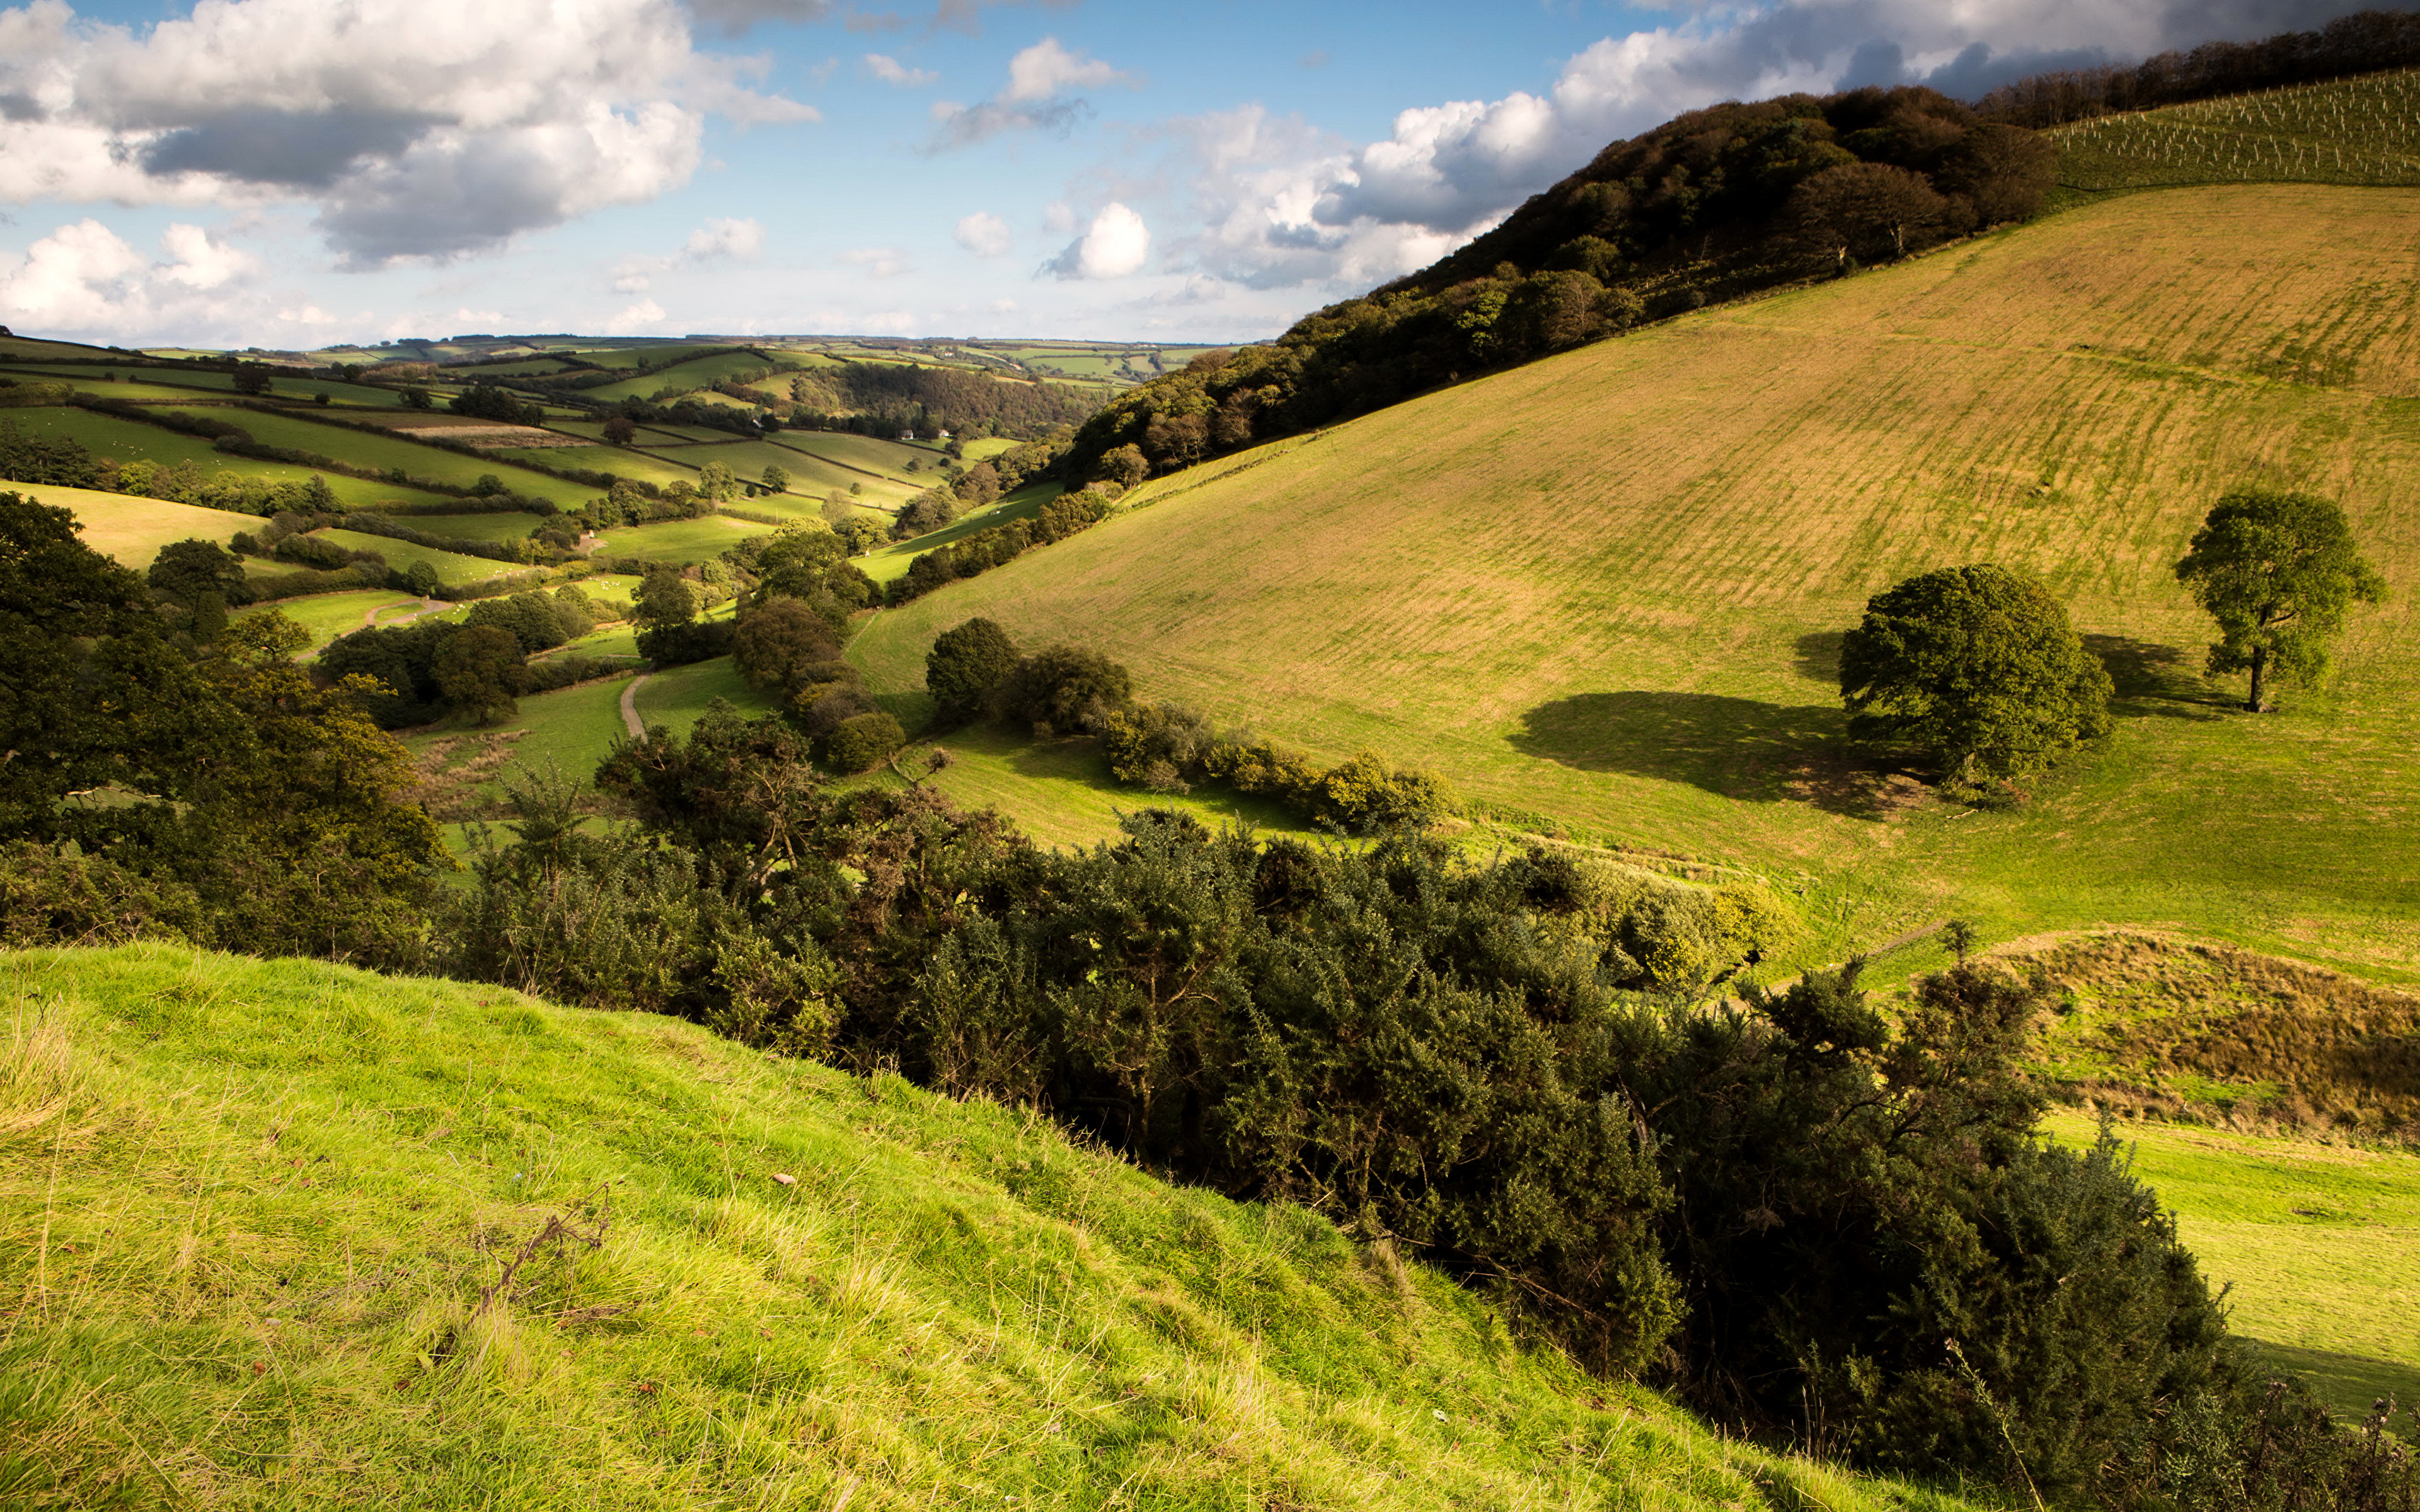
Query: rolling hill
[[1607, 587], [497, 1254]]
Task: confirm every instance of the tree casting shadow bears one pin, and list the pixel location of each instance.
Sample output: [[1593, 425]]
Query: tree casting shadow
[[2154, 682], [1737, 748]]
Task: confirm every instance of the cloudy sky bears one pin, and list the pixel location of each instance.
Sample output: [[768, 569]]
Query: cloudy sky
[[292, 173]]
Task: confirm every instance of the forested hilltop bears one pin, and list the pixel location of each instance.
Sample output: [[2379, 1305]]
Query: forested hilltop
[[1710, 205]]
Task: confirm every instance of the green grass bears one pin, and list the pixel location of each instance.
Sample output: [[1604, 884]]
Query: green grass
[[679, 696], [132, 529], [887, 562], [642, 355], [687, 377], [2363, 131], [452, 567], [128, 441], [507, 524], [679, 540], [623, 462], [572, 728], [2320, 1242], [282, 387], [387, 450], [330, 615], [262, 1233], [1608, 588], [866, 454]]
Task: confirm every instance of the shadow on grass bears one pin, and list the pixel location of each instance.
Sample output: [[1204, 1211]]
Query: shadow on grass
[[2347, 1383], [2154, 682], [1817, 657], [1737, 748]]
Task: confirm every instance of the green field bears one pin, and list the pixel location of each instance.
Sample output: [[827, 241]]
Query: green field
[[679, 540], [2363, 131], [1608, 587], [128, 441], [2320, 1242], [572, 728], [330, 615], [642, 355], [680, 696], [506, 525], [129, 392], [132, 530], [386, 450], [283, 386], [867, 454], [685, 379], [260, 1224], [452, 567], [623, 462]]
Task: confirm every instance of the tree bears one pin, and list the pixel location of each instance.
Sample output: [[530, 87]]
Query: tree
[[1976, 664], [1066, 687], [862, 741], [779, 646], [2277, 572], [479, 671], [1868, 213], [421, 577], [619, 429], [187, 571], [716, 483], [417, 397], [776, 478], [966, 663], [665, 599], [251, 378]]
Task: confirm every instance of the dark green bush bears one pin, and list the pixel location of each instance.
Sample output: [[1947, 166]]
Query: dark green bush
[[862, 741]]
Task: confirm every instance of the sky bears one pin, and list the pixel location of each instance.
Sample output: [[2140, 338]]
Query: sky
[[292, 174]]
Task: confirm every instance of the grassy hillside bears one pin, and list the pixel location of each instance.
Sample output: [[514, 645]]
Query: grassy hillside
[[2320, 1244], [283, 1234], [2363, 130], [1608, 587], [131, 528], [128, 441]]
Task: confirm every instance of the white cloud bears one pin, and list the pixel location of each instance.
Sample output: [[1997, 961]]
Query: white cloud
[[1047, 70], [876, 262], [1040, 82], [983, 233], [636, 318], [724, 237], [419, 129], [85, 279], [892, 72], [1115, 245]]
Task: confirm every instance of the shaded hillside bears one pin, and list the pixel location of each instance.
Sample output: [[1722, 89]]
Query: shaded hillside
[[1607, 587], [284, 1233], [1710, 205]]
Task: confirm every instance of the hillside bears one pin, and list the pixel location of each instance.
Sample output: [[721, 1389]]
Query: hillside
[[1608, 586], [280, 1233]]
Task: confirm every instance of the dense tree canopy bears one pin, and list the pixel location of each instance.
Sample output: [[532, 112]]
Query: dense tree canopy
[[2277, 572], [1977, 666]]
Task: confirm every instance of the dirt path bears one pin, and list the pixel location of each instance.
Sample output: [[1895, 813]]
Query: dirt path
[[631, 707]]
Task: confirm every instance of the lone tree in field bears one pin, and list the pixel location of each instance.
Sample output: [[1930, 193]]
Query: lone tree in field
[[2277, 571], [1977, 665]]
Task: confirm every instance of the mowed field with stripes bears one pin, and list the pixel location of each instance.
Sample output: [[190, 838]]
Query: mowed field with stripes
[[1608, 588]]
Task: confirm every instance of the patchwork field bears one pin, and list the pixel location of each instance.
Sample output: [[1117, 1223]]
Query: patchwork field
[[887, 562], [330, 615], [2363, 131], [366, 449], [128, 441], [452, 566], [679, 540], [131, 528], [1608, 587]]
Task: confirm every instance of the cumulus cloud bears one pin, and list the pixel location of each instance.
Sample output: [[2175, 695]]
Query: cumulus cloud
[[83, 278], [1282, 203], [636, 318], [983, 233], [737, 16], [876, 262], [1115, 245], [891, 70], [419, 129], [1040, 96]]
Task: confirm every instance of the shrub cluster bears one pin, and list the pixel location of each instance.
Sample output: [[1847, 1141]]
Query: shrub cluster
[[477, 669], [1057, 521]]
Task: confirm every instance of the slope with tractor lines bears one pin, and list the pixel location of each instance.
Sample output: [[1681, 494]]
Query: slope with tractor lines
[[1608, 587]]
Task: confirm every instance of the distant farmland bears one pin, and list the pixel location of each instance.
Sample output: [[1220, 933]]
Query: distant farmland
[[2362, 131]]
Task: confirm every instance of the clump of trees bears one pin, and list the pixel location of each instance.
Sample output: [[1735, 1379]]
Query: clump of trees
[[2277, 571], [975, 669], [1979, 667], [476, 670], [978, 553], [2371, 41]]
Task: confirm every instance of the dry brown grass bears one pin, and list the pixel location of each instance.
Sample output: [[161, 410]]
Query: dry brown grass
[[1607, 587]]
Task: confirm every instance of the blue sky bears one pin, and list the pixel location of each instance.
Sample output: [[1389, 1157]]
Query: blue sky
[[290, 172]]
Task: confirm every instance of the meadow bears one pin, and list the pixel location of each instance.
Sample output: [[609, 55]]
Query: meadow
[[688, 376], [500, 1254], [2363, 131], [132, 529], [2318, 1243], [678, 540], [283, 385], [128, 441], [1602, 593], [885, 563], [327, 616], [452, 566]]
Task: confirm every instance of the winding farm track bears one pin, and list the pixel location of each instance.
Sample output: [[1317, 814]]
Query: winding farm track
[[630, 706]]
